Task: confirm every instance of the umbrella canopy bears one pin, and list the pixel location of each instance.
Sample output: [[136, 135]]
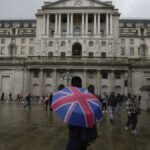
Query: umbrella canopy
[[77, 106]]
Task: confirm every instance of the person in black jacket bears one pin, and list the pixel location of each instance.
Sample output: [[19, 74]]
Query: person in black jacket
[[111, 106], [28, 99], [50, 101], [74, 141], [81, 137]]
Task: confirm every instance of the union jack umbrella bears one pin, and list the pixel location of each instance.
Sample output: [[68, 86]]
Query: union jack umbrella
[[77, 106]]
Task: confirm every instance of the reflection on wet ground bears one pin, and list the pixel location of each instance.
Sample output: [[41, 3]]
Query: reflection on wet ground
[[39, 130]]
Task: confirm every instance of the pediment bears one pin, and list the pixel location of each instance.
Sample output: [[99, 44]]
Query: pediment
[[79, 3]]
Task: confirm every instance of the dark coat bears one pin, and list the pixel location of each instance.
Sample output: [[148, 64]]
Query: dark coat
[[112, 101], [74, 141]]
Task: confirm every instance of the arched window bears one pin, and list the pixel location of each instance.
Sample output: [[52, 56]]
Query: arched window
[[142, 49], [117, 89], [104, 89], [51, 43], [91, 43], [63, 43], [35, 90], [47, 90], [76, 49], [76, 81], [103, 44]]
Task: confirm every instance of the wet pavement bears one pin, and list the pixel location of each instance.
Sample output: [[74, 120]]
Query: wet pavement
[[39, 130]]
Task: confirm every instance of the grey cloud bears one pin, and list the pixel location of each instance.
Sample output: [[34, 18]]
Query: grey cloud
[[21, 9]]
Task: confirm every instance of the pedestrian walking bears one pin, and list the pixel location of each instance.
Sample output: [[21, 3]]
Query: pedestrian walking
[[133, 111], [46, 101], [104, 101], [111, 106], [81, 137], [2, 96], [50, 101], [118, 103], [10, 96], [28, 99], [18, 98]]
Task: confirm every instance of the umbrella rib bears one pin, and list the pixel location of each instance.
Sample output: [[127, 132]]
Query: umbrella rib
[[63, 101], [69, 101], [85, 106], [69, 112]]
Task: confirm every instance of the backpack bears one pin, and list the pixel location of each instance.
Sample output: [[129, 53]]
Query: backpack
[[88, 135]]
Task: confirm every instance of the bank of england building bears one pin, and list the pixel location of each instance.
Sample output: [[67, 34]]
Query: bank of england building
[[75, 41]]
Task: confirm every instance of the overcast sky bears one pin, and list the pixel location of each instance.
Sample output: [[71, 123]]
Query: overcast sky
[[26, 9]]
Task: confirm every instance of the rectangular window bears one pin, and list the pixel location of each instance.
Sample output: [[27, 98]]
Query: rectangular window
[[122, 51], [48, 74], [23, 41], [103, 54], [50, 54], [63, 54], [131, 41], [31, 41], [126, 83], [122, 41], [2, 50], [104, 75], [91, 75], [117, 75], [90, 54], [131, 51], [2, 41], [31, 50], [22, 50], [148, 81], [35, 74]]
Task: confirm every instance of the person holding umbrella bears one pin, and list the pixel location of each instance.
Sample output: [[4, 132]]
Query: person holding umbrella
[[80, 110]]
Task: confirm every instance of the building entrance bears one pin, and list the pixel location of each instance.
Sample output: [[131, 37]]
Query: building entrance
[[76, 81]]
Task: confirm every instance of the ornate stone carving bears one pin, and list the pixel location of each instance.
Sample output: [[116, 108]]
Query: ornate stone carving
[[78, 3]]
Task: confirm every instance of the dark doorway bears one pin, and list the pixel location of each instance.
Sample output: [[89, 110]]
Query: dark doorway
[[91, 89], [61, 86], [76, 81], [77, 49]]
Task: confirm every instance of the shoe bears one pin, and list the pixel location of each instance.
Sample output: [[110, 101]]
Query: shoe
[[134, 132], [111, 121], [126, 128]]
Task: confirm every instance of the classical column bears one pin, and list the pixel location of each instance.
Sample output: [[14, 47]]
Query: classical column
[[54, 80], [107, 25], [95, 20], [44, 22], [112, 81], [130, 81], [83, 28], [71, 28], [84, 78], [111, 24], [47, 25], [56, 23], [126, 83], [68, 24], [41, 79], [59, 25], [99, 24], [86, 25], [26, 82], [98, 82]]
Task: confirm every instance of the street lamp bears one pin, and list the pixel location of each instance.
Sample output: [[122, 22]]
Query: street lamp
[[68, 77]]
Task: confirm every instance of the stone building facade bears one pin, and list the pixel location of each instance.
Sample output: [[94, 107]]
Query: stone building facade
[[74, 41]]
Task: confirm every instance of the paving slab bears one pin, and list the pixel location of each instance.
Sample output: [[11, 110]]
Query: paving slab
[[36, 129]]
